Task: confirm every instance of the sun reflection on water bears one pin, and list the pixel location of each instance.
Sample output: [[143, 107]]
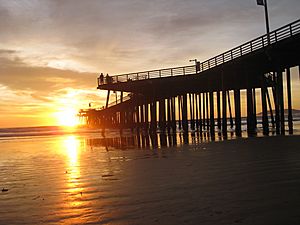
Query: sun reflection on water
[[75, 201], [72, 150], [72, 144]]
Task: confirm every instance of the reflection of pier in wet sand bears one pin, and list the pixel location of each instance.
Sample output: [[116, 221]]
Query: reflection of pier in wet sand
[[209, 96], [141, 140]]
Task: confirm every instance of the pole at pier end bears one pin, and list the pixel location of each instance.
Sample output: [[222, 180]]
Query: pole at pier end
[[197, 64], [265, 4]]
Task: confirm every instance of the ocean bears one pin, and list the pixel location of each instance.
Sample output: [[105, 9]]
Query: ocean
[[54, 175], [158, 141]]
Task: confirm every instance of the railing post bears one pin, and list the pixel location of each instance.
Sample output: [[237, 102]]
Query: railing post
[[183, 70], [241, 51], [251, 48], [275, 36], [159, 73], [171, 72], [291, 30], [216, 61], [137, 76], [148, 75], [231, 55], [223, 58], [127, 77], [263, 42], [208, 64]]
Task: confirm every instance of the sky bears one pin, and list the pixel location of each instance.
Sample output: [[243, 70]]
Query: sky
[[51, 51]]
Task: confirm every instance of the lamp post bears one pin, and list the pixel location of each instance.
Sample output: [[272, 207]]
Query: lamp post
[[197, 64], [265, 4]]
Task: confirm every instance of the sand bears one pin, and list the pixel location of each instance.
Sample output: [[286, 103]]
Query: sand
[[63, 180]]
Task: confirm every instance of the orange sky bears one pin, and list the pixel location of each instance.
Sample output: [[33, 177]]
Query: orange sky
[[52, 51]]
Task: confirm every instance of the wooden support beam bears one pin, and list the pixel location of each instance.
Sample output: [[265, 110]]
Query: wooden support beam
[[250, 120], [122, 120], [179, 112], [192, 121], [200, 116], [137, 118], [281, 101], [153, 117], [230, 112], [107, 98], [270, 108], [163, 139], [289, 97], [196, 110], [162, 115], [265, 122], [237, 113], [219, 110], [204, 109], [153, 138], [173, 114], [207, 107], [142, 116], [224, 113], [184, 113], [276, 93], [146, 116], [168, 115], [254, 109], [212, 111]]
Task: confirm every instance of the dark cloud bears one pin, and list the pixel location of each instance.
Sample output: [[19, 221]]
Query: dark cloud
[[19, 76], [122, 36], [41, 98], [4, 52]]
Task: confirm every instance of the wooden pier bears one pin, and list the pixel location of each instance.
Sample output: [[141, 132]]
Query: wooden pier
[[208, 96]]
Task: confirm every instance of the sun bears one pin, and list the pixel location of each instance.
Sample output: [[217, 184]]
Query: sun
[[67, 117]]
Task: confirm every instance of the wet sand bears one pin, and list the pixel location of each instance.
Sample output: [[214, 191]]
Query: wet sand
[[62, 180]]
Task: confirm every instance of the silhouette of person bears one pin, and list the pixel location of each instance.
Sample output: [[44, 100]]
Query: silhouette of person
[[101, 78], [107, 78]]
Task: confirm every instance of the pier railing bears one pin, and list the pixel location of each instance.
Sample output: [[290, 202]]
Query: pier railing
[[126, 98], [279, 34]]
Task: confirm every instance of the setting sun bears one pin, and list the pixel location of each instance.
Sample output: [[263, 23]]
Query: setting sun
[[67, 117]]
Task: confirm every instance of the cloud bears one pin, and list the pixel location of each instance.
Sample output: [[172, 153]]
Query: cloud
[[121, 36], [15, 74], [52, 49], [28, 90]]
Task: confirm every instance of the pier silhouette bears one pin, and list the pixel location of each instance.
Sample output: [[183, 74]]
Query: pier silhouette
[[207, 96]]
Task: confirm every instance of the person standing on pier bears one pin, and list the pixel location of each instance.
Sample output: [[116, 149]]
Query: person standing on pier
[[107, 79], [101, 77]]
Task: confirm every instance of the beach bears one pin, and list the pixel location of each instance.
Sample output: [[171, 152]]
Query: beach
[[65, 179]]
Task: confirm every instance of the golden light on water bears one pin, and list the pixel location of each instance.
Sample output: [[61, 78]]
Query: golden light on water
[[72, 145]]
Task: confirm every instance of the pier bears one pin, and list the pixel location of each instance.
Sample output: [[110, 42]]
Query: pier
[[210, 95]]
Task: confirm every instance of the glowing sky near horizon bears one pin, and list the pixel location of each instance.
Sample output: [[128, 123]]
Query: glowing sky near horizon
[[51, 51]]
